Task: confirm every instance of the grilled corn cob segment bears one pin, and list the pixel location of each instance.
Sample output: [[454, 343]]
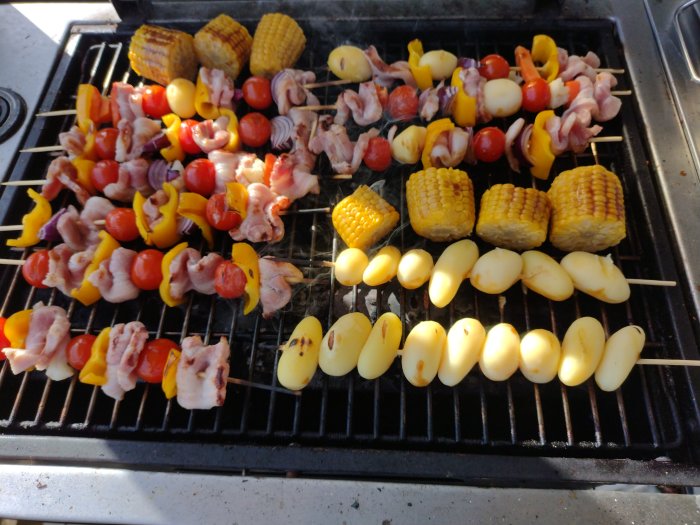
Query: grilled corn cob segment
[[363, 218], [223, 44], [514, 218], [588, 209], [441, 203], [277, 44], [162, 54]]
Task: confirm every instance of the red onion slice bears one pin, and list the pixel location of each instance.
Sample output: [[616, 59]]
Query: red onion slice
[[159, 172], [446, 96], [157, 143], [511, 135], [282, 134], [49, 231], [467, 62], [521, 146], [273, 85], [185, 226]]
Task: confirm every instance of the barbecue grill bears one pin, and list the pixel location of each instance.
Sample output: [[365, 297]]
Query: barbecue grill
[[480, 432]]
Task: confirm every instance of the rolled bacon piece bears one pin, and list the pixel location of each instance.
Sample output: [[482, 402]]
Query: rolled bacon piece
[[126, 341], [201, 373]]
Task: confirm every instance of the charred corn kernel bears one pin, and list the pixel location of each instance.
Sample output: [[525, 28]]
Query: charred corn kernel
[[223, 44], [381, 347], [451, 268], [341, 346], [382, 267], [162, 54], [363, 218], [496, 271], [462, 350], [544, 275], [513, 218], [299, 359], [441, 203], [597, 276], [621, 353], [415, 268], [277, 44], [540, 352], [581, 351], [422, 353], [501, 353], [350, 265], [588, 209]]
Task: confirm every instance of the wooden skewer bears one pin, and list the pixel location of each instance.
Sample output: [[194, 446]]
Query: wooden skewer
[[318, 108], [652, 282], [57, 113], [612, 138], [12, 228], [669, 362], [35, 182], [338, 82], [42, 149], [12, 262], [614, 71]]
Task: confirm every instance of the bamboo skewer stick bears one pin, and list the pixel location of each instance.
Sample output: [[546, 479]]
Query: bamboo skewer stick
[[669, 362], [614, 71], [58, 113], [320, 107], [42, 149], [12, 262], [328, 83], [652, 282]]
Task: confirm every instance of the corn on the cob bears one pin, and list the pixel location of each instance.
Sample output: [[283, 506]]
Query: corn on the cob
[[162, 54], [277, 44], [441, 203], [223, 44], [588, 209], [363, 218], [514, 218]]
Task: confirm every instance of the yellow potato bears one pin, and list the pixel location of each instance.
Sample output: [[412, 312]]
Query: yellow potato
[[349, 63], [422, 352], [597, 276], [502, 97], [544, 275], [383, 266], [407, 146], [300, 355], [415, 268], [462, 350], [450, 270], [581, 351], [621, 353], [501, 353], [540, 352], [441, 63], [496, 271], [341, 346], [350, 265], [381, 347], [180, 96]]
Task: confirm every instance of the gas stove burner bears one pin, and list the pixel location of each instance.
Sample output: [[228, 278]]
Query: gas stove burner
[[12, 111]]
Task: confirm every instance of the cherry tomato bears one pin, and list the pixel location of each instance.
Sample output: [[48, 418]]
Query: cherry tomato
[[489, 144], [254, 130], [4, 341], [378, 154], [35, 268], [106, 143], [155, 103], [574, 88], [79, 349], [145, 270], [383, 95], [200, 177], [403, 103], [103, 173], [120, 223], [219, 216], [152, 360], [187, 143], [494, 66], [536, 95], [257, 93], [229, 280]]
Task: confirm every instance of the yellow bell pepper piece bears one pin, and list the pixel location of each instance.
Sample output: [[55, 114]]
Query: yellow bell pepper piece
[[174, 151], [32, 221], [87, 293], [422, 74], [237, 198], [234, 141], [17, 328], [87, 94], [95, 370], [193, 206], [164, 288], [169, 383], [464, 107], [202, 101], [84, 168], [544, 50], [540, 147], [432, 132], [164, 234], [243, 255]]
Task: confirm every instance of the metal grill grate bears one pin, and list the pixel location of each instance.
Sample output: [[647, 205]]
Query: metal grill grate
[[641, 420]]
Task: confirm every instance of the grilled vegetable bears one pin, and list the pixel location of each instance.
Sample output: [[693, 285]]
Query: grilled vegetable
[[441, 203], [382, 267], [223, 44], [441, 63], [450, 270], [407, 146], [350, 265], [597, 276], [277, 44], [381, 347], [32, 221], [514, 218], [363, 218], [582, 349], [299, 359], [496, 271], [415, 268], [462, 350], [540, 146], [540, 352], [621, 353], [349, 63], [180, 95], [588, 209], [544, 275], [501, 353], [162, 54], [502, 97], [341, 346], [422, 353]]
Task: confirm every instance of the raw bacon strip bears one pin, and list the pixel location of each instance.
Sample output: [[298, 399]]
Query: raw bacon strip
[[132, 177], [201, 373], [473, 85], [241, 167], [275, 291], [126, 102], [429, 102], [608, 105], [77, 234], [133, 136], [288, 89], [385, 74], [573, 66], [262, 222], [95, 208], [73, 141], [126, 341], [113, 277], [180, 282], [201, 272], [364, 105], [344, 155], [66, 268], [290, 180], [450, 148], [219, 85], [211, 135], [62, 174]]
